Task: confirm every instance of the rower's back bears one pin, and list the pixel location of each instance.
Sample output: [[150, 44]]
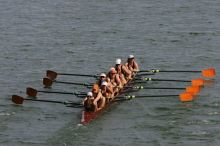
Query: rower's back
[[88, 105]]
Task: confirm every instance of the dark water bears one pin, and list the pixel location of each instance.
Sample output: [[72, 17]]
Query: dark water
[[84, 36]]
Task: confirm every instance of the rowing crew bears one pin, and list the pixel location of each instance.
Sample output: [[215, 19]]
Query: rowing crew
[[108, 86]]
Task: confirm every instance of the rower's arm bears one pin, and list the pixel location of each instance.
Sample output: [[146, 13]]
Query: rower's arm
[[136, 67], [97, 97], [127, 71], [83, 101], [118, 79], [110, 90]]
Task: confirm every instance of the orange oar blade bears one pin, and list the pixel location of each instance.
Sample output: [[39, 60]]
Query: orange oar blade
[[185, 97], [194, 90], [209, 73], [198, 82], [17, 99]]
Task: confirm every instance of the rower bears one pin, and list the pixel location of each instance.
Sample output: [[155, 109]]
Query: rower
[[131, 64], [114, 78], [99, 100], [106, 91], [122, 71], [102, 78], [88, 102]]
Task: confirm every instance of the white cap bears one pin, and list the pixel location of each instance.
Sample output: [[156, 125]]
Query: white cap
[[131, 56], [118, 61], [102, 75], [89, 94], [104, 83]]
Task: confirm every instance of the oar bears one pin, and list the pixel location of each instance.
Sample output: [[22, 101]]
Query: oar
[[33, 92], [52, 74], [195, 82], [190, 89], [48, 82], [209, 72], [19, 100], [184, 97]]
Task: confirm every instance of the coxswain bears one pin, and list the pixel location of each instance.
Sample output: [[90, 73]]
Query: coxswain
[[131, 64], [106, 91], [88, 102], [122, 71], [99, 100]]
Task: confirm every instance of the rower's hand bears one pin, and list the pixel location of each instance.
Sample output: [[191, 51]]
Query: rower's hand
[[136, 70], [120, 86], [131, 69]]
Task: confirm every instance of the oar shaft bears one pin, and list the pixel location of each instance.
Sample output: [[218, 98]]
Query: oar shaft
[[142, 96], [83, 84], [121, 98], [143, 87], [143, 74], [158, 88], [53, 101], [171, 80], [156, 71], [209, 72], [83, 75], [57, 92], [195, 71], [143, 81], [41, 100], [75, 106]]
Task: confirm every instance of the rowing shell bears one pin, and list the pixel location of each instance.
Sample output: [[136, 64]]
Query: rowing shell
[[88, 116]]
